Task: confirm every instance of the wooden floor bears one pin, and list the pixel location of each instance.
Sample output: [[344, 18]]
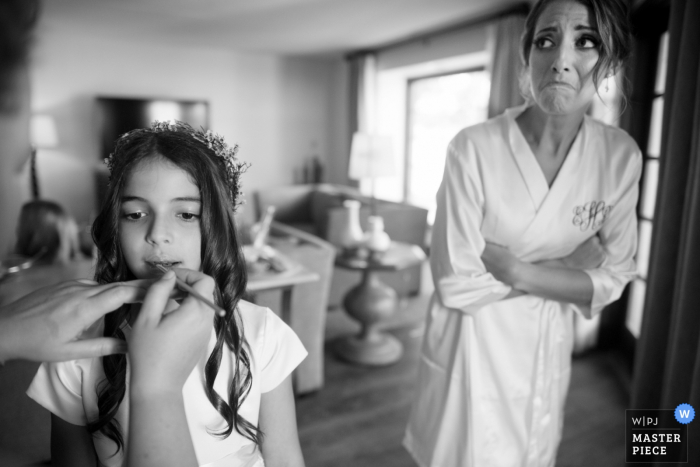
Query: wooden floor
[[358, 418]]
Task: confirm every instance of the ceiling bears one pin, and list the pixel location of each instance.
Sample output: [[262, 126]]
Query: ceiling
[[293, 27]]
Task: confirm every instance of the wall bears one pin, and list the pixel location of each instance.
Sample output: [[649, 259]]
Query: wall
[[280, 110], [451, 43]]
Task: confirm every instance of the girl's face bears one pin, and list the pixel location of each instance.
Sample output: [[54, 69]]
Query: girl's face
[[563, 54], [160, 219]]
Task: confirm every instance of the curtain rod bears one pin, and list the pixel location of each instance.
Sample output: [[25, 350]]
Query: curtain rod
[[522, 8]]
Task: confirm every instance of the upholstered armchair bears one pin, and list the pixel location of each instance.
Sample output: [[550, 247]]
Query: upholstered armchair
[[314, 208], [308, 308]]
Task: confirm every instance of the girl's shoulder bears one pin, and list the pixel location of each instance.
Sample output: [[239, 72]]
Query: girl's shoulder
[[275, 348], [258, 321], [252, 314]]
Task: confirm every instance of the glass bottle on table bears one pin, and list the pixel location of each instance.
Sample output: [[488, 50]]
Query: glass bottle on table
[[262, 228]]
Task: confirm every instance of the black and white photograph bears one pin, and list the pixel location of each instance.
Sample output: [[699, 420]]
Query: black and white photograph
[[349, 233]]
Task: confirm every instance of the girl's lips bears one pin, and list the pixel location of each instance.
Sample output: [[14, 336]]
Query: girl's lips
[[165, 264]]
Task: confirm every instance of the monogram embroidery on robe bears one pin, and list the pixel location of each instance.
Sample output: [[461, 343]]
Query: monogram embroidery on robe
[[591, 215]]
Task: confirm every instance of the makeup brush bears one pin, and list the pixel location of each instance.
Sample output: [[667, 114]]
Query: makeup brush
[[182, 285]]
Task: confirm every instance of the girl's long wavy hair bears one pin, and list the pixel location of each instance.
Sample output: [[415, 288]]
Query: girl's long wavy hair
[[221, 257]]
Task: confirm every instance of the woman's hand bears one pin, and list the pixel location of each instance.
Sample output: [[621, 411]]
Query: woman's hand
[[46, 325], [500, 262], [588, 255], [165, 347]]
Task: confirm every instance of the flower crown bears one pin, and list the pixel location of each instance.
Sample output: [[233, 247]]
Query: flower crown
[[234, 167]]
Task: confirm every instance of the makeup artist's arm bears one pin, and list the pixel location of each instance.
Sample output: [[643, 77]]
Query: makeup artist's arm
[[163, 350]]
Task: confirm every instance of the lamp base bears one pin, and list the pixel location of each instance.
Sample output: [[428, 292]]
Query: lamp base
[[376, 239]]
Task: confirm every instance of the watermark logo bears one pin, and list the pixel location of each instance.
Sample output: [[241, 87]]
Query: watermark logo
[[684, 413], [658, 435]]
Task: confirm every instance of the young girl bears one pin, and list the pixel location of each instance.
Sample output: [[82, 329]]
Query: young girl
[[172, 194]]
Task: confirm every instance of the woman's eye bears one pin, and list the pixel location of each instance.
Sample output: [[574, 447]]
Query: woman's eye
[[544, 43], [586, 43], [189, 216], [134, 216]]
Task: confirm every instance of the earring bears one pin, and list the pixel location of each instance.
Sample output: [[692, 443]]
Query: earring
[[607, 88]]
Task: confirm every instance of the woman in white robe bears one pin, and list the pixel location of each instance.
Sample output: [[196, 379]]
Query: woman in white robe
[[536, 221]]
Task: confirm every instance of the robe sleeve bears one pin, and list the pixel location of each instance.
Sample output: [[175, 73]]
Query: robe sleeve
[[461, 279], [619, 238]]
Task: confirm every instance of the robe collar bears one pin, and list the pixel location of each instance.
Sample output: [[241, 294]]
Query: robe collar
[[530, 169]]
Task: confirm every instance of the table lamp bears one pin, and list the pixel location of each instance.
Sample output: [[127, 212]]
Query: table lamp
[[371, 156], [43, 135]]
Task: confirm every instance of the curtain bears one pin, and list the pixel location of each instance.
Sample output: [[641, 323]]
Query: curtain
[[363, 99], [667, 363], [505, 63]]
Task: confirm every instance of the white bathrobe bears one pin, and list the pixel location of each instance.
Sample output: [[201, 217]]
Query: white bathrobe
[[494, 373]]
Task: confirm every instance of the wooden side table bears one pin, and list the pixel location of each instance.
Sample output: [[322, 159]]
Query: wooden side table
[[371, 302]]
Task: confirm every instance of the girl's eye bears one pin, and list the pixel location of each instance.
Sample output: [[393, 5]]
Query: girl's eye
[[134, 216], [544, 43], [586, 42], [189, 216]]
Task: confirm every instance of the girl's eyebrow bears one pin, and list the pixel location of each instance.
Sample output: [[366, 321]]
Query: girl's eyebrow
[[126, 199], [194, 199], [189, 198]]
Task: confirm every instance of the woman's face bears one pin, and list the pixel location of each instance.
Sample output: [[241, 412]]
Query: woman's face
[[563, 54], [160, 219]]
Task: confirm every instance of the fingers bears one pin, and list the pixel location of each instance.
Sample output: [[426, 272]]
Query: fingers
[[91, 348], [138, 284], [202, 284], [91, 288], [86, 282], [109, 297], [156, 300], [198, 280]]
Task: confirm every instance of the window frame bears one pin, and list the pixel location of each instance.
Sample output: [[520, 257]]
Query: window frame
[[407, 133]]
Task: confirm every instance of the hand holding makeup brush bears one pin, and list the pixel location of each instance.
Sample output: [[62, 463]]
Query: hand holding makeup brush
[[164, 349]]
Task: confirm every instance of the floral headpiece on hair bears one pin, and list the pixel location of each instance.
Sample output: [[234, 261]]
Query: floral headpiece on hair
[[234, 167]]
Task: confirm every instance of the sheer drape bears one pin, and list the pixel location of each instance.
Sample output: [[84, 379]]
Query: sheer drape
[[505, 63], [363, 97], [667, 363]]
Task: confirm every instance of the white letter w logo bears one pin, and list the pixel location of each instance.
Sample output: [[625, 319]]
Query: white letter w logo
[[684, 413]]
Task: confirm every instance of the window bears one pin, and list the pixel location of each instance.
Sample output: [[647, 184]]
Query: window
[[652, 153], [417, 108], [438, 107]]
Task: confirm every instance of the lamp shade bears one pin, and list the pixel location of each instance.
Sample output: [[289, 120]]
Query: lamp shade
[[43, 131], [371, 156]]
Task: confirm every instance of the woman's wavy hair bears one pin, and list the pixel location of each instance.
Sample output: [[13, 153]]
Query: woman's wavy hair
[[221, 256], [612, 20], [46, 230]]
